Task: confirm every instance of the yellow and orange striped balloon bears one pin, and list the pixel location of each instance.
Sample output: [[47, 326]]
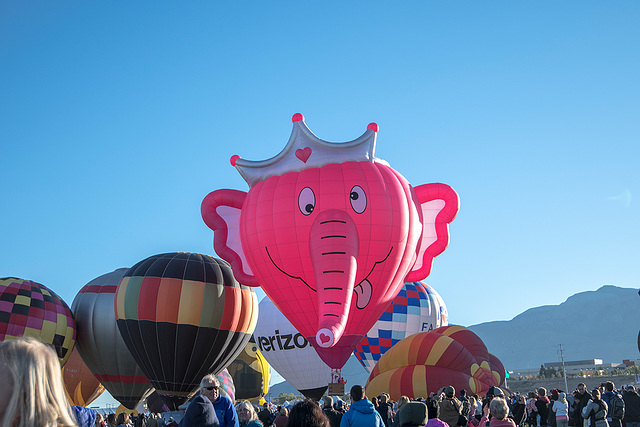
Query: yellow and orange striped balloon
[[425, 362]]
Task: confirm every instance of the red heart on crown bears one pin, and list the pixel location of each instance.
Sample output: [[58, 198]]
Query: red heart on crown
[[303, 154]]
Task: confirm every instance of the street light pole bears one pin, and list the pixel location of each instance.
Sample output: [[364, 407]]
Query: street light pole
[[564, 371]]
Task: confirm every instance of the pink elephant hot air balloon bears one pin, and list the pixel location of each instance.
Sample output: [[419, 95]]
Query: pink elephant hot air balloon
[[331, 233]]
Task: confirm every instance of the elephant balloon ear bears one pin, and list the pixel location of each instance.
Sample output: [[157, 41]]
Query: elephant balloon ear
[[440, 204], [221, 212]]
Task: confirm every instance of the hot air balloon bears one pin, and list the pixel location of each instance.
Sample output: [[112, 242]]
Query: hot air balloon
[[250, 373], [81, 386], [29, 309], [227, 388], [155, 403], [101, 345], [417, 308], [427, 361], [331, 233], [183, 315], [289, 353]]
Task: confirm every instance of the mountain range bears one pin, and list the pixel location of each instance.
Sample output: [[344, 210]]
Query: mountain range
[[601, 324]]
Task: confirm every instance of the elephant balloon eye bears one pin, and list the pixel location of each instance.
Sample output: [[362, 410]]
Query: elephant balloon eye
[[306, 201], [358, 199]]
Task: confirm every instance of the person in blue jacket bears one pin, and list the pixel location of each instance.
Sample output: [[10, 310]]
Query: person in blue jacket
[[201, 412], [226, 412], [362, 412]]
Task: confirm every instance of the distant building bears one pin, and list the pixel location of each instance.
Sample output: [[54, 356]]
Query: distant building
[[524, 372], [572, 367], [576, 366]]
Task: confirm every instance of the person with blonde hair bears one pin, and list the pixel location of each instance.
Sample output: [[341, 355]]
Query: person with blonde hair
[[401, 402], [32, 391], [561, 409], [247, 415]]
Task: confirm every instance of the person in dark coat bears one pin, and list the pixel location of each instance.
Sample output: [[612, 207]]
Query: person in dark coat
[[200, 412], [327, 407], [581, 400], [385, 409], [518, 410], [543, 406], [631, 407], [265, 415]]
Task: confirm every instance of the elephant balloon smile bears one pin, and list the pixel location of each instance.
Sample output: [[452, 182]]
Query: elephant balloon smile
[[331, 233]]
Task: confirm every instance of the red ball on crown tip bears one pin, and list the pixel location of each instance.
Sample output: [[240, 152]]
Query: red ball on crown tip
[[374, 127], [233, 159], [297, 117]]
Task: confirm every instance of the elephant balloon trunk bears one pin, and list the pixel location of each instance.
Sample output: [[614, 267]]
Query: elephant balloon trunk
[[334, 245]]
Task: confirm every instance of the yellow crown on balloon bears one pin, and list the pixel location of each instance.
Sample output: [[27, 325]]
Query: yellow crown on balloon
[[305, 150]]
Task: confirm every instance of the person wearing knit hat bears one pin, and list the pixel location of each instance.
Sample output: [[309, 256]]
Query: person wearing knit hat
[[413, 414]]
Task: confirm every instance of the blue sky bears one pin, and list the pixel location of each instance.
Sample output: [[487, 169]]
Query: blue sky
[[117, 118]]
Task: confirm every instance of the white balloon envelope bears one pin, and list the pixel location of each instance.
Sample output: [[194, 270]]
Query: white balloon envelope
[[289, 353]]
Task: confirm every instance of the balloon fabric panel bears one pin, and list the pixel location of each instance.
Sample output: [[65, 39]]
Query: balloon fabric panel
[[470, 340], [189, 312], [30, 309], [167, 304]]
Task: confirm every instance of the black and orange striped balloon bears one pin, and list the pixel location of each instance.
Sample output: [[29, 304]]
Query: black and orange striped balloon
[[182, 316]]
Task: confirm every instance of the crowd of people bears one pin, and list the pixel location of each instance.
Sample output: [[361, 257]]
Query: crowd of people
[[32, 394]]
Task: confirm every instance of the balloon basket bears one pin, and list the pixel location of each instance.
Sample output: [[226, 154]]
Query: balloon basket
[[336, 386]]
